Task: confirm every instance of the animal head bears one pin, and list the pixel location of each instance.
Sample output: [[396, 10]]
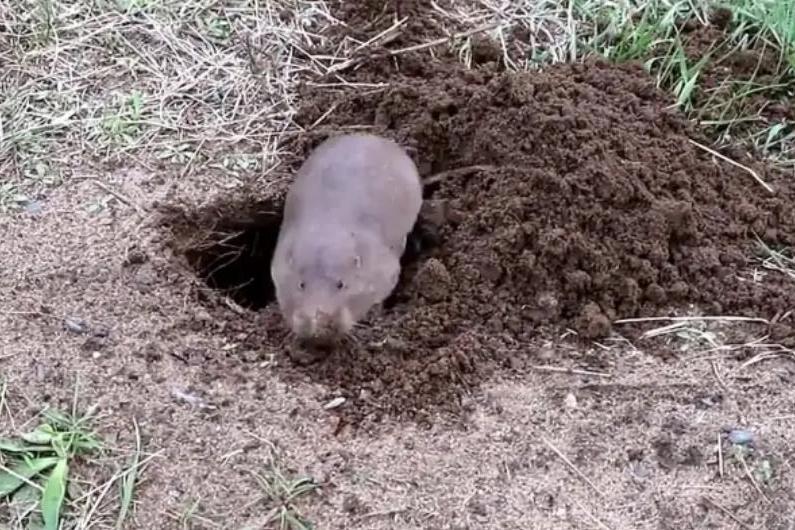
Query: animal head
[[326, 283]]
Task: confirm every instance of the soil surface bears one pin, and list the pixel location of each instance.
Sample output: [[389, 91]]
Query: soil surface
[[561, 199], [494, 390]]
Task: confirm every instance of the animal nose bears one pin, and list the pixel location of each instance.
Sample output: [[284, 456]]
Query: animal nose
[[303, 324], [323, 317]]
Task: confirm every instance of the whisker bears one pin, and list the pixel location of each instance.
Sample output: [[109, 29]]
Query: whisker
[[351, 340]]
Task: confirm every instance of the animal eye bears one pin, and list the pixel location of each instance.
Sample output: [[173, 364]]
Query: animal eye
[[340, 285], [301, 285]]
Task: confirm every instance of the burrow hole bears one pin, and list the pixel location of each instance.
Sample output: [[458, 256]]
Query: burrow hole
[[233, 251]]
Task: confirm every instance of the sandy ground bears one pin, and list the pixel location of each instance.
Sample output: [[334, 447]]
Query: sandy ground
[[639, 446]]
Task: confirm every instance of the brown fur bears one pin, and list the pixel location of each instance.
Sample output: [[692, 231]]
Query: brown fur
[[346, 219]]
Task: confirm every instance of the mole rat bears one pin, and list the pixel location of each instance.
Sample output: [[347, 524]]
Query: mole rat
[[347, 216]]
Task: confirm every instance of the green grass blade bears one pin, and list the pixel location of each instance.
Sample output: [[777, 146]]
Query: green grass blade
[[86, 443], [58, 419], [127, 483], [42, 435], [686, 90], [11, 446], [295, 522], [53, 497], [773, 133], [12, 478]]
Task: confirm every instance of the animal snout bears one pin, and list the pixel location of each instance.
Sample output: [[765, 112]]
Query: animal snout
[[322, 322]]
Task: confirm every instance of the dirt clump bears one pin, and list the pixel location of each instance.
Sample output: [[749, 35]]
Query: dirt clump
[[572, 197]]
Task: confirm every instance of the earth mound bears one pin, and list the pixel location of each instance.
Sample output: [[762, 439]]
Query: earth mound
[[564, 198], [574, 195]]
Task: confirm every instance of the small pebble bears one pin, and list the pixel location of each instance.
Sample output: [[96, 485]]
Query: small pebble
[[191, 399], [33, 207], [334, 403], [75, 326], [740, 437]]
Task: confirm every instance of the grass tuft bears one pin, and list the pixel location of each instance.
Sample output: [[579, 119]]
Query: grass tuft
[[781, 260], [34, 467], [280, 493]]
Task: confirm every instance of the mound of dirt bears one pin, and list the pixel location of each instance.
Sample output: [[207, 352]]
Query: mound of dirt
[[567, 198], [574, 196]]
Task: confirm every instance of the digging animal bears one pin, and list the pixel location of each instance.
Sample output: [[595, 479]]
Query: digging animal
[[346, 220]]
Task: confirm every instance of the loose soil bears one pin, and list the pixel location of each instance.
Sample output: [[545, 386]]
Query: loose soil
[[561, 199]]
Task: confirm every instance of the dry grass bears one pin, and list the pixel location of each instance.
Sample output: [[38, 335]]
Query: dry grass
[[147, 82]]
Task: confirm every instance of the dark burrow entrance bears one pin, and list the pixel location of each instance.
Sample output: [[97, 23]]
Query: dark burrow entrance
[[230, 245], [237, 262]]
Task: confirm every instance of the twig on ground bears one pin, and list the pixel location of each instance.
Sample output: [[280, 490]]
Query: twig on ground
[[781, 351], [754, 482], [356, 56], [572, 371], [750, 171], [443, 40], [382, 513], [691, 319], [322, 118], [572, 466], [140, 210], [385, 36], [189, 165], [719, 378], [19, 477], [591, 516], [725, 512], [455, 172]]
